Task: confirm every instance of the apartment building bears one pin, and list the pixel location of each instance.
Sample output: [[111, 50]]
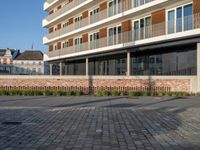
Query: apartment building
[[124, 37]]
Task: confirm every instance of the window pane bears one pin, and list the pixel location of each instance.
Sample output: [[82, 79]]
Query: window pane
[[171, 22], [147, 27], [179, 19], [136, 30], [188, 17], [141, 28]]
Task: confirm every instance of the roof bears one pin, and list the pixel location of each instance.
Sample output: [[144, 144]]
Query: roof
[[3, 51], [30, 55]]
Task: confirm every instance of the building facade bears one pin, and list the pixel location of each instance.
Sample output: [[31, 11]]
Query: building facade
[[29, 63], [123, 37], [6, 60]]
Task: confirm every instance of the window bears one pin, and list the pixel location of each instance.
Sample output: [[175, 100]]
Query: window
[[94, 17], [93, 40], [78, 22], [140, 2], [34, 70], [188, 17], [78, 41], [142, 28], [180, 19], [65, 44], [115, 35], [171, 21], [39, 70], [114, 7], [65, 24], [165, 61]]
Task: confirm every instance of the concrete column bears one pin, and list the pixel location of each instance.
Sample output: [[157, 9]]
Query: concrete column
[[87, 67], [198, 67], [61, 69], [51, 69], [128, 63]]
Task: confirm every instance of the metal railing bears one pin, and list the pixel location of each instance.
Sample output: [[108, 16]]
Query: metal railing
[[71, 27], [50, 1], [130, 36], [64, 9], [114, 10]]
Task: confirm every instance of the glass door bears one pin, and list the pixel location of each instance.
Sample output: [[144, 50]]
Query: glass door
[[94, 43], [114, 7], [115, 35], [188, 17]]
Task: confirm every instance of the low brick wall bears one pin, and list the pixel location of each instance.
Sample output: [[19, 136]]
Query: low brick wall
[[92, 84]]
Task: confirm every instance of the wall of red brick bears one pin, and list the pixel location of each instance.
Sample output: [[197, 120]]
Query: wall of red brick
[[165, 85]]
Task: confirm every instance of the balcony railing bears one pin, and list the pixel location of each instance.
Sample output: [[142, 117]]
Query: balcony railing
[[131, 36], [64, 9], [50, 1], [123, 6], [116, 9]]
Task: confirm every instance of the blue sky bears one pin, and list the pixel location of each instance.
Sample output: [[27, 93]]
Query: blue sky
[[21, 24]]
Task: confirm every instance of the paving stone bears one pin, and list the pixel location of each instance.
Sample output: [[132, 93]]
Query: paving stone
[[99, 123]]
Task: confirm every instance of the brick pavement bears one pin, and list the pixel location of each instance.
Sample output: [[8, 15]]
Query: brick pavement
[[99, 123]]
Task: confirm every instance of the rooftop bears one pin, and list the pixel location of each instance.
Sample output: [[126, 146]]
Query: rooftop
[[30, 55]]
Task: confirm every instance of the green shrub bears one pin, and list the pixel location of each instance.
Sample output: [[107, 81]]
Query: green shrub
[[131, 93], [28, 93], [48, 93], [38, 93], [78, 93], [4, 92], [102, 93], [15, 92], [61, 93], [115, 93]]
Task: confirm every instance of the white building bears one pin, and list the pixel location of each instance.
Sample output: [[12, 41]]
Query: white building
[[29, 63]]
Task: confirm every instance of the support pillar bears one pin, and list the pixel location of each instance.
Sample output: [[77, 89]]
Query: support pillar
[[128, 73], [198, 67], [61, 69], [51, 69], [87, 67]]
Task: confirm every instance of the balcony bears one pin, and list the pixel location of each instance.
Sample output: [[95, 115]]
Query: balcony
[[49, 3], [68, 7], [122, 7], [148, 34], [105, 14]]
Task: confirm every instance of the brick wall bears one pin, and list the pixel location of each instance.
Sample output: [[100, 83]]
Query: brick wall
[[123, 84]]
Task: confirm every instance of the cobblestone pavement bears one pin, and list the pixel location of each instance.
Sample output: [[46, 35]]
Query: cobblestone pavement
[[99, 123]]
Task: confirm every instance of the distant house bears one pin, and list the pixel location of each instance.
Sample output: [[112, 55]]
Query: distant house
[[29, 62], [6, 60]]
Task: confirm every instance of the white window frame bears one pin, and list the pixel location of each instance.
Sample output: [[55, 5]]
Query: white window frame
[[175, 16], [133, 25], [92, 10], [117, 26]]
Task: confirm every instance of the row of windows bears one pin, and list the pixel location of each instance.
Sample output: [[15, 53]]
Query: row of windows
[[166, 61], [114, 7], [142, 28], [28, 63], [27, 70]]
